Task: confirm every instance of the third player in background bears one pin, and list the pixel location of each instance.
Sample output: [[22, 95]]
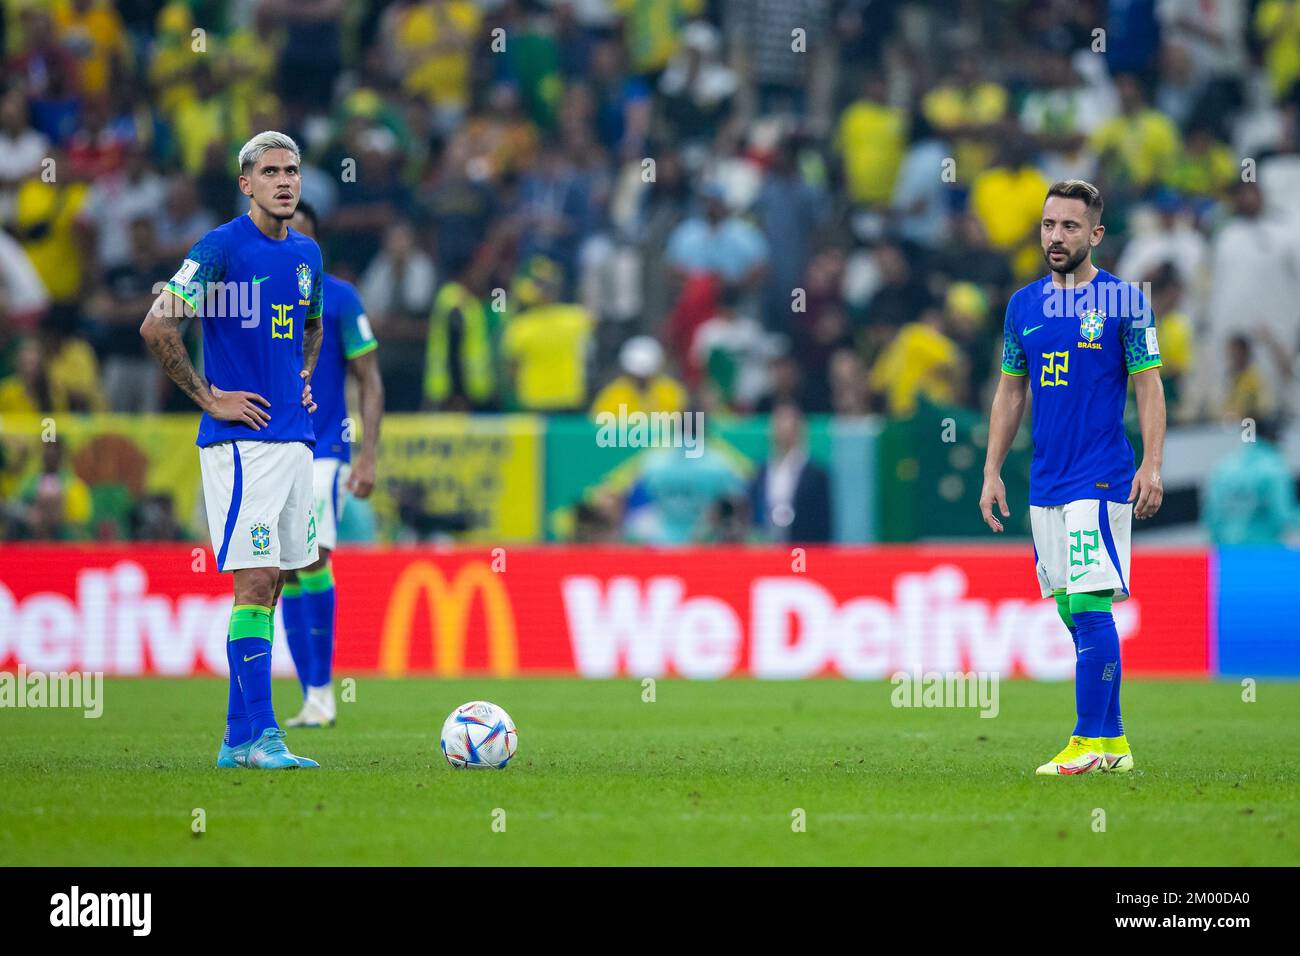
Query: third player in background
[[308, 603]]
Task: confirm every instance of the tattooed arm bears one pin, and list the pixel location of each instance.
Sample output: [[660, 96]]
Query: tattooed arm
[[161, 331], [312, 336]]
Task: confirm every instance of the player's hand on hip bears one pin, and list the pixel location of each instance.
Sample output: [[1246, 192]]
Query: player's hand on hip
[[994, 492], [1148, 491], [246, 407], [307, 403], [362, 479]]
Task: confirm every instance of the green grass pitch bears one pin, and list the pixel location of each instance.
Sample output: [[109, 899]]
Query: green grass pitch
[[709, 773]]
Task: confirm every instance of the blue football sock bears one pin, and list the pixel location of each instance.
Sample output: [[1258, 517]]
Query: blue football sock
[[318, 598], [1096, 671], [293, 612], [1113, 725], [237, 731], [250, 640]]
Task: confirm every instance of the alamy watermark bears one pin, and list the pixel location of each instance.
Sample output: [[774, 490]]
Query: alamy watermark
[[974, 689], [132, 911], [637, 429], [227, 300], [76, 690], [1119, 300]]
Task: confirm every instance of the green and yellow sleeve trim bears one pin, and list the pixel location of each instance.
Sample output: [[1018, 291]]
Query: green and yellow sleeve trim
[[361, 350], [1014, 371], [1155, 363], [180, 294]]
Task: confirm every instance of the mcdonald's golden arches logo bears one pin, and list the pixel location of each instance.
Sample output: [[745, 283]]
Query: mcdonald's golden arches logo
[[448, 605]]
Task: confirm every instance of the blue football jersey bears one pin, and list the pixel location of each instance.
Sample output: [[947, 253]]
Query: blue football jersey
[[253, 294], [347, 335], [1079, 346]]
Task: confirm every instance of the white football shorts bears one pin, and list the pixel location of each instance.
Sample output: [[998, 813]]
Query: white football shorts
[[1083, 546], [259, 498], [330, 481]]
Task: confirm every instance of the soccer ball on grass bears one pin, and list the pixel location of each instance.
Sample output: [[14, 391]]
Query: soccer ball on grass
[[479, 734]]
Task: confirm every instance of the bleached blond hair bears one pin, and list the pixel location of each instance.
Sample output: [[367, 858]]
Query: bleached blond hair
[[262, 143]]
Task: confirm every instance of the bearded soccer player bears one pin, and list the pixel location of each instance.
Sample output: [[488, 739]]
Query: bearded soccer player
[[307, 604], [1075, 338], [256, 284]]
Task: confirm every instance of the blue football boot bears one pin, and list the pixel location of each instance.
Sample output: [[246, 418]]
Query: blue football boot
[[230, 757], [269, 752]]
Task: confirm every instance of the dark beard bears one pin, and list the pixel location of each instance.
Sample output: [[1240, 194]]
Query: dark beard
[[276, 213], [1070, 264]]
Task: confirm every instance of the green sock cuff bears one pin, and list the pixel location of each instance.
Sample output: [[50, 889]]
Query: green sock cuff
[[250, 620], [1063, 607], [1091, 601], [291, 590], [314, 582]]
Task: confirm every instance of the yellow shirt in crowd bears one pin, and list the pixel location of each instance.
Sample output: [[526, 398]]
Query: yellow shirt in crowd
[[548, 345], [199, 123], [440, 38], [871, 138], [54, 251], [1176, 339], [1009, 203], [652, 29], [73, 372], [1277, 24], [14, 399], [1249, 396], [1208, 174], [920, 360], [1145, 146], [97, 36], [661, 394], [173, 59], [948, 107], [72, 377]]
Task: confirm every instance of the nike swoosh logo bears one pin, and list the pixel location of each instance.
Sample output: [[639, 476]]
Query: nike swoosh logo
[[1075, 577], [1034, 329], [1082, 649], [257, 279], [254, 657]]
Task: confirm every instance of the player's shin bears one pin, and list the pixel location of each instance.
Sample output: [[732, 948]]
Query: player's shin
[[293, 613], [319, 603], [1116, 753], [237, 730], [1097, 667], [1113, 726], [250, 641]]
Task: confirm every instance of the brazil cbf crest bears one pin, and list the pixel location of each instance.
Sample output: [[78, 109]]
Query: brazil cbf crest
[[304, 281], [261, 538], [1091, 324]]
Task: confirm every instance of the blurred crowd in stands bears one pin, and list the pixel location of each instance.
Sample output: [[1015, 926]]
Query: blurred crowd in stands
[[717, 205]]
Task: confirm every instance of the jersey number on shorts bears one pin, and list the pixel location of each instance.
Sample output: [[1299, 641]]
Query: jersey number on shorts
[[1085, 542]]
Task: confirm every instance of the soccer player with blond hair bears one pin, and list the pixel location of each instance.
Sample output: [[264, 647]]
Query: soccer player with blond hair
[[256, 285]]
